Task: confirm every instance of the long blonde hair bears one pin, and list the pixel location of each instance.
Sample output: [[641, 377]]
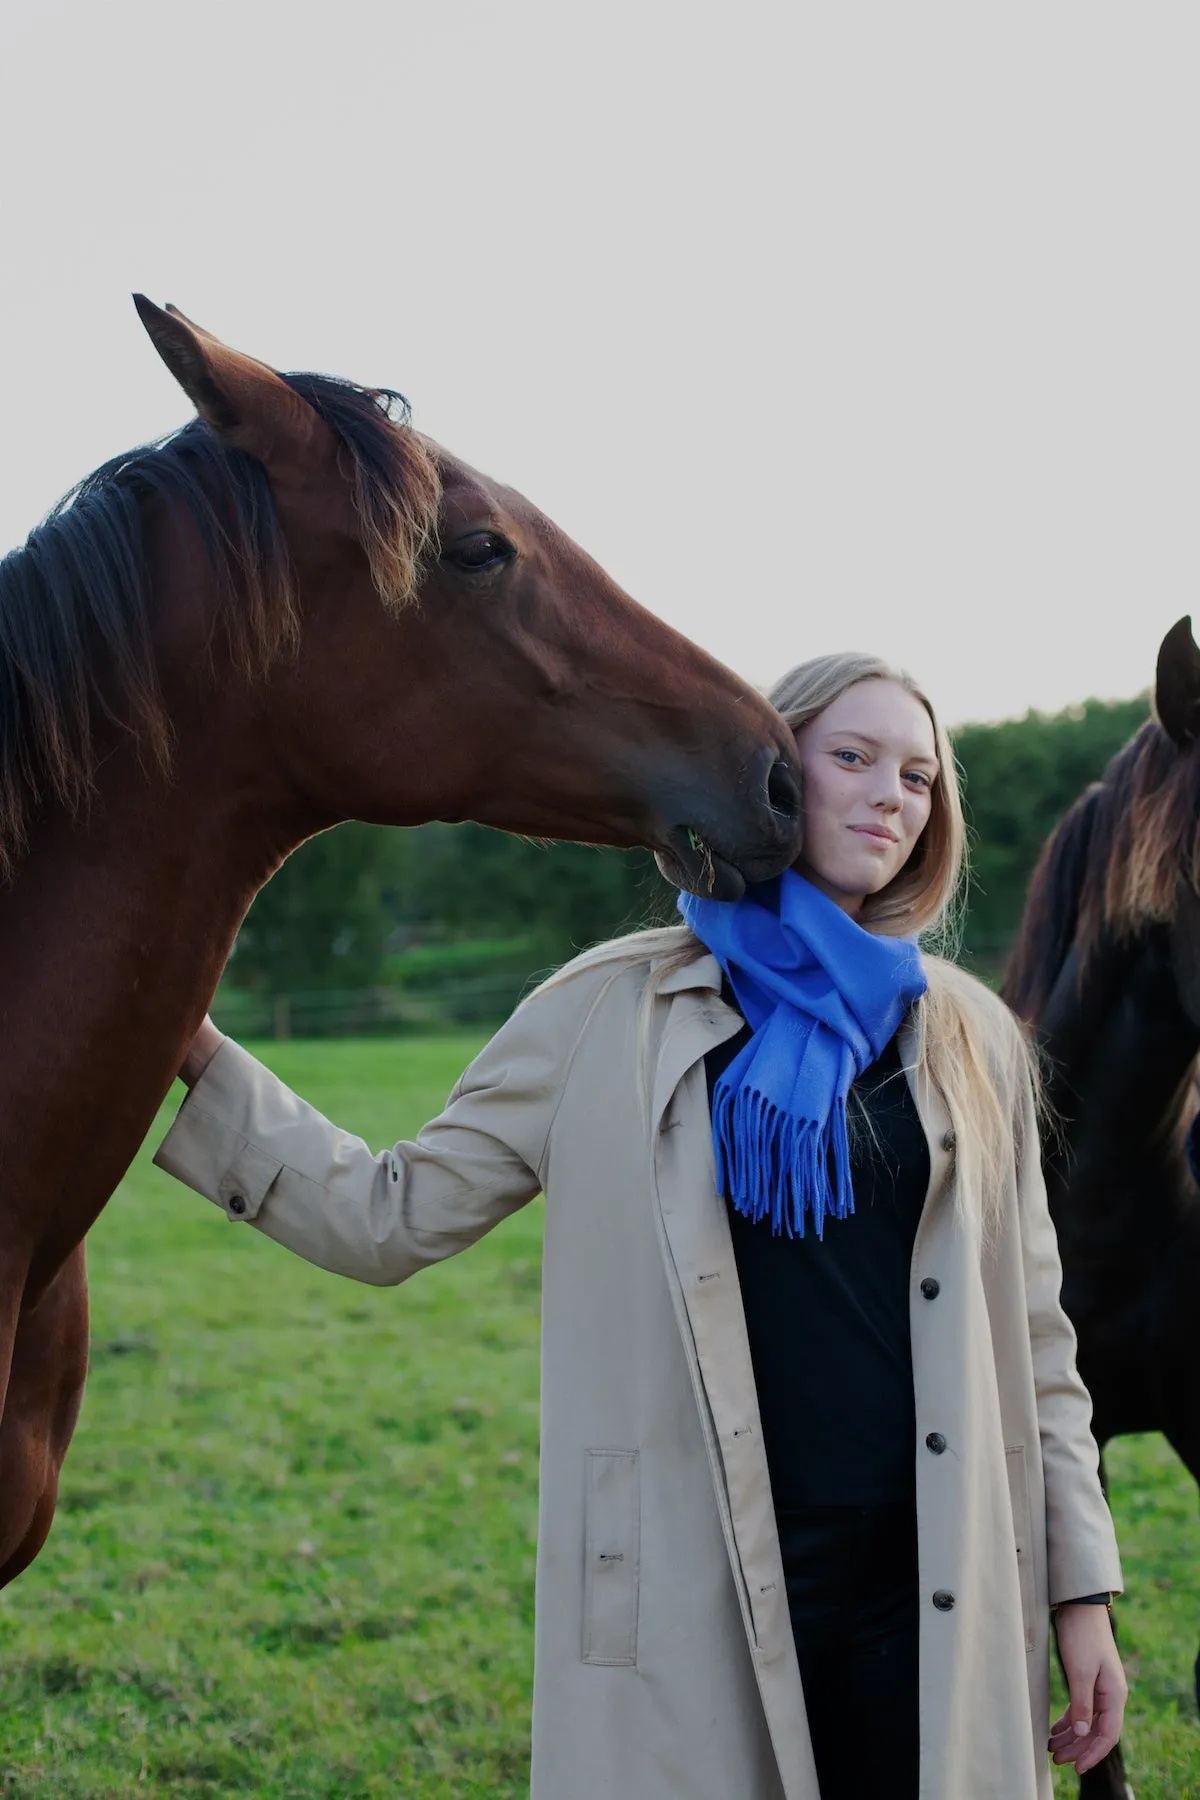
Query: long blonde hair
[[925, 901]]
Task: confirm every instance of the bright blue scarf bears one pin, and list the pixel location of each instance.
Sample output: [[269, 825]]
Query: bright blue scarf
[[823, 998]]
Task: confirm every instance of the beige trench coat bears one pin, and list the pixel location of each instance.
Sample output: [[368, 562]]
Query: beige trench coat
[[665, 1666]]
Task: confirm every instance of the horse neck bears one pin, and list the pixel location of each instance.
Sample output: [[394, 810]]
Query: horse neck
[[1120, 1046], [112, 939]]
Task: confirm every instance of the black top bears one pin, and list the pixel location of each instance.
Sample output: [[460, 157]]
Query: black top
[[828, 1317]]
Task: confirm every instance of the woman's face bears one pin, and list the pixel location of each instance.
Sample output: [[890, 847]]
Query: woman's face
[[869, 764]]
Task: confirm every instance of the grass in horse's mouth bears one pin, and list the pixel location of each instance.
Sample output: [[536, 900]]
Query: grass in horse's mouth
[[703, 850]]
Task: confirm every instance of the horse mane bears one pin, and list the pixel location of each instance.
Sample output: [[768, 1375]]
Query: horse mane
[[76, 647], [1112, 868], [1051, 916]]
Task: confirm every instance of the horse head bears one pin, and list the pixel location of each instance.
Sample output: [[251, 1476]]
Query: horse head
[[452, 654]]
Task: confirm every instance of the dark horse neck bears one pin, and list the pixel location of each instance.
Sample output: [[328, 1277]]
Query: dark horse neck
[[163, 873], [1120, 1047]]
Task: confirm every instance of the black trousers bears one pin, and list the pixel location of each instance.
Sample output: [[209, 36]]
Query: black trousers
[[853, 1596]]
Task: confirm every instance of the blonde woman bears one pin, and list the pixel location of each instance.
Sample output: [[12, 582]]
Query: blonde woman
[[816, 1463]]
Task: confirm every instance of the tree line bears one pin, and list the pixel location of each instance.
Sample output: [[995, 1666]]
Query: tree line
[[361, 907]]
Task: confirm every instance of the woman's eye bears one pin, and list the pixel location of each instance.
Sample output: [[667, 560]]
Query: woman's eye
[[917, 778], [848, 756], [482, 550]]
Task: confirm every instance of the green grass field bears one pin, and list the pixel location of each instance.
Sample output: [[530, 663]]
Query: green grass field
[[294, 1551]]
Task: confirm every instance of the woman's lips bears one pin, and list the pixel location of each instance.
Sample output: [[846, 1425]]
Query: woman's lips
[[879, 832]]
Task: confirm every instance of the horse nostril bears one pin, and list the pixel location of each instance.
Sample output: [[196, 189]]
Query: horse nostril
[[783, 795]]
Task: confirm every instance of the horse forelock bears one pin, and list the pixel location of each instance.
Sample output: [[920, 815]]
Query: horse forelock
[[394, 479], [1113, 867], [76, 648], [1151, 838]]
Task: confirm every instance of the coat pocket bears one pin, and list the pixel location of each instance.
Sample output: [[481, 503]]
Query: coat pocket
[[1018, 1494], [612, 1546]]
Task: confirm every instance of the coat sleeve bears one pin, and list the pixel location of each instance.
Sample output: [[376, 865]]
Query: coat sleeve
[[1081, 1544], [244, 1140]]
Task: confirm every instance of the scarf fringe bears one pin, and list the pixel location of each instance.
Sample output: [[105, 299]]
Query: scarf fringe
[[773, 1166]]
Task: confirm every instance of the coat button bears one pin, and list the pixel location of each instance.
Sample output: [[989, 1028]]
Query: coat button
[[943, 1599], [935, 1442], [931, 1287], [236, 1204], [948, 1140]]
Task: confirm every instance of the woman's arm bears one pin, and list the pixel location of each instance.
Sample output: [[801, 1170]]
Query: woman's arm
[[247, 1142]]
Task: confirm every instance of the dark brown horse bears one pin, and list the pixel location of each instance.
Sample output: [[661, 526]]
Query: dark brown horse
[[1107, 968], [292, 612]]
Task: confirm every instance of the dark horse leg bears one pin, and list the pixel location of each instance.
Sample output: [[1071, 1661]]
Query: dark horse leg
[[1107, 1781], [45, 1387]]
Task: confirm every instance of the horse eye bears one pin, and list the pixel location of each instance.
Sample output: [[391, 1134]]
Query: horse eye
[[482, 550]]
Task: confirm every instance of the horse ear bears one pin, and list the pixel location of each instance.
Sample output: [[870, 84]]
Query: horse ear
[[247, 404], [1177, 685]]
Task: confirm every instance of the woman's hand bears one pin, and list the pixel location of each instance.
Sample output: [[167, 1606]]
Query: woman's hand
[[1092, 1722], [203, 1048]]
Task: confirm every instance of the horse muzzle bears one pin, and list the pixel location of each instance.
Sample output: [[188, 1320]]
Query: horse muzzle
[[721, 850]]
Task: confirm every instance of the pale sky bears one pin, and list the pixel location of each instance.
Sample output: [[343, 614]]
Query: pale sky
[[821, 326]]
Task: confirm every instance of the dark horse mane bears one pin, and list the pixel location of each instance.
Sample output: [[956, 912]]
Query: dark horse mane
[[76, 646], [1113, 866]]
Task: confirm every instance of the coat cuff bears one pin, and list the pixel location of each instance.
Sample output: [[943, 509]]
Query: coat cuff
[[207, 1147], [1102, 1575]]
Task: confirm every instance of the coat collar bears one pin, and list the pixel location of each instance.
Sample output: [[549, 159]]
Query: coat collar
[[702, 972], [696, 1025], [696, 1020]]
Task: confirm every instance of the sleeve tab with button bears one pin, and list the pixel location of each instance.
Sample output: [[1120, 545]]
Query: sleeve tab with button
[[246, 1183]]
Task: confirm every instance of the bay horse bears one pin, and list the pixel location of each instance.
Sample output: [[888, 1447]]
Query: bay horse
[[1106, 968], [293, 611]]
